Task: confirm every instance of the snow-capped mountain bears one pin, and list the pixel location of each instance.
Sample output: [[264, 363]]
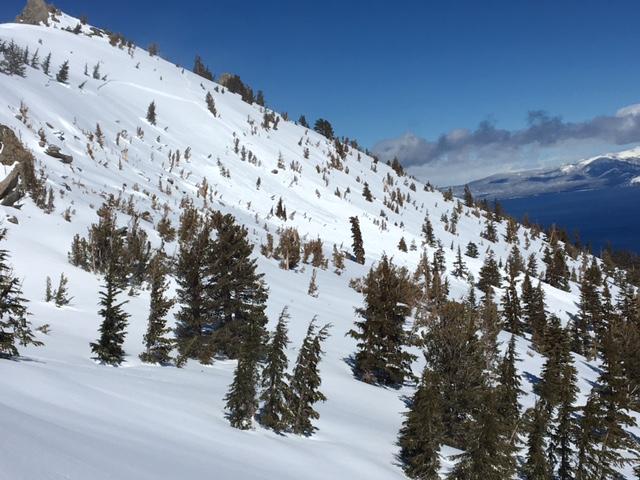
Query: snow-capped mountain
[[611, 170], [65, 416]]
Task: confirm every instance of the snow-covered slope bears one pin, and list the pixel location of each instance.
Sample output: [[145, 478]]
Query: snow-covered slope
[[64, 416], [611, 170]]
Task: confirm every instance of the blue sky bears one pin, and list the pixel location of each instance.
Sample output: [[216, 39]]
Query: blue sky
[[379, 70]]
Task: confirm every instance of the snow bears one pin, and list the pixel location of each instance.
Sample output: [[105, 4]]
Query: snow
[[68, 417]]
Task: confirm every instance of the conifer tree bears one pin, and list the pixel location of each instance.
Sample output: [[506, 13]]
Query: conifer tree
[[588, 318], [337, 258], [151, 113], [235, 293], [288, 249], [305, 382], [468, 196], [108, 348], [511, 310], [488, 452], [242, 398], [536, 466], [211, 104], [533, 312], [459, 267], [427, 232], [12, 62], [63, 74], [454, 353], [489, 325], [489, 274], [381, 357], [15, 328], [420, 436], [46, 64], [366, 193], [157, 345], [192, 335], [199, 68], [313, 286], [275, 413], [61, 296], [402, 245], [357, 245], [605, 423], [490, 232], [508, 389], [48, 293], [472, 250]]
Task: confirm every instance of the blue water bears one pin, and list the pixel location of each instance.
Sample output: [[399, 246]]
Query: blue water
[[601, 216]]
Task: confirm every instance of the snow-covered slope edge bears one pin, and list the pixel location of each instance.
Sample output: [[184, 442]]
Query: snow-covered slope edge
[[70, 418]]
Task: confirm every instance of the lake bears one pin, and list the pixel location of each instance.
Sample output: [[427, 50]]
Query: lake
[[601, 216]]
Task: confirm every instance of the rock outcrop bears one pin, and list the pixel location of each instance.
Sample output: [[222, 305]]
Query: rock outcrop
[[35, 12]]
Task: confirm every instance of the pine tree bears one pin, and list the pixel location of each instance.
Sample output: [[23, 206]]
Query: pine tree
[[48, 293], [427, 232], [508, 389], [534, 316], [199, 68], [454, 353], [46, 64], [490, 232], [468, 196], [192, 334], [275, 412], [489, 274], [489, 323], [402, 245], [241, 400], [63, 74], [472, 250], [281, 211], [12, 63], [15, 329], [288, 249], [235, 293], [151, 113], [108, 348], [305, 381], [588, 318], [157, 345], [605, 423], [366, 193], [313, 286], [61, 296], [488, 454], [211, 104], [536, 466], [337, 258], [459, 267], [381, 357], [357, 245], [511, 311], [421, 434]]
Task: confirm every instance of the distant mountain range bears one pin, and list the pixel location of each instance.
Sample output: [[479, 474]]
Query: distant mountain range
[[611, 170]]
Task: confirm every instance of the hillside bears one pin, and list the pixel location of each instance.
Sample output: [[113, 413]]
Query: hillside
[[63, 415], [612, 170]]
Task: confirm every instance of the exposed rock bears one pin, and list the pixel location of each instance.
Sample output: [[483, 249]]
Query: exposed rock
[[13, 219], [10, 182], [54, 151], [35, 12], [22, 177]]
